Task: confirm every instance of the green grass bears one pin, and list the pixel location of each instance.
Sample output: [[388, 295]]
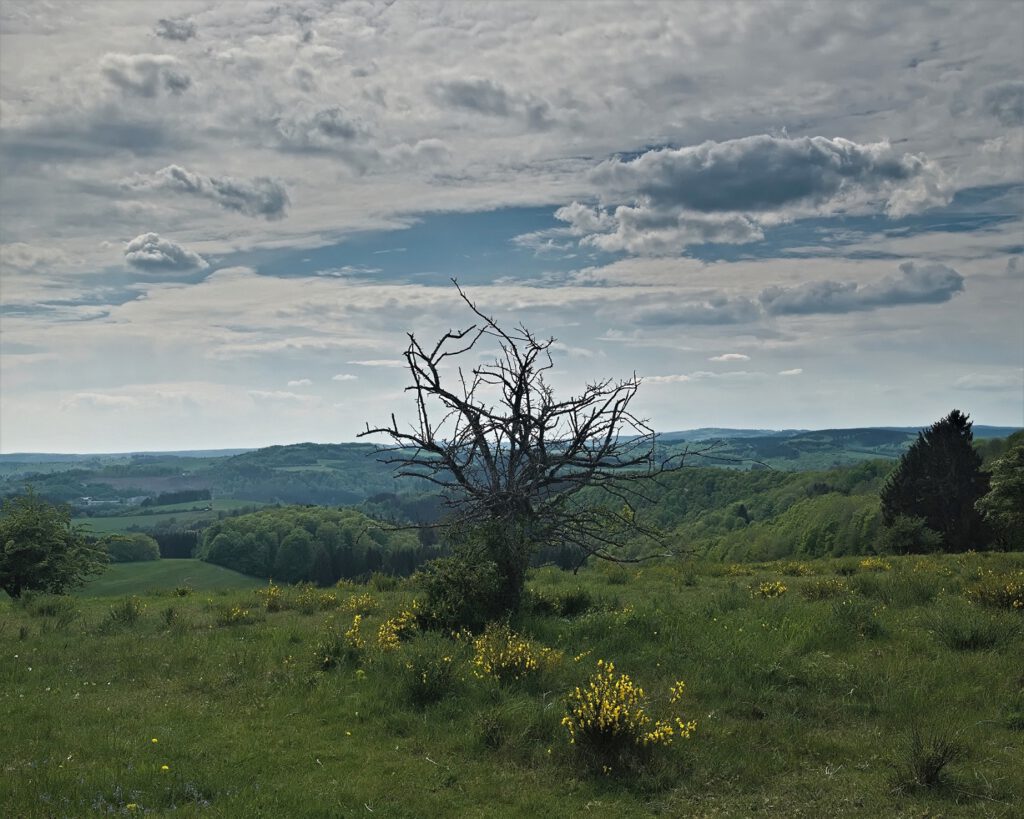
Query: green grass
[[804, 707], [165, 575]]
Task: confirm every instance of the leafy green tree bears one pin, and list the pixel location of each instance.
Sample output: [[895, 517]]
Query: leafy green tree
[[40, 550], [132, 547], [1003, 506], [294, 557], [939, 480]]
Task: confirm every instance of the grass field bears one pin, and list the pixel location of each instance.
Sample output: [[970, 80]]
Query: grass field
[[806, 700], [165, 575], [185, 515]]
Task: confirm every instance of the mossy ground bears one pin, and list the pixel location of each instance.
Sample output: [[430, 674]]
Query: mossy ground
[[804, 707]]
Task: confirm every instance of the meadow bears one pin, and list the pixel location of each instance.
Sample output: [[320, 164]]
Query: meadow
[[835, 687]]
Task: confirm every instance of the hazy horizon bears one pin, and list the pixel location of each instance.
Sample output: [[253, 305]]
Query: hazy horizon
[[219, 220]]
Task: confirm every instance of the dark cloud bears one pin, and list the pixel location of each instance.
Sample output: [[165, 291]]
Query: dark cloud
[[181, 29], [914, 284], [145, 75], [1005, 102], [258, 196], [756, 173], [151, 252], [718, 309], [493, 99]]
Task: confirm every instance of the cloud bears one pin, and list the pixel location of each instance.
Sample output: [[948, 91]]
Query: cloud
[[730, 357], [145, 75], [181, 29], [1005, 102], [718, 309], [699, 375], [379, 362], [794, 371], [29, 258], [276, 396], [151, 252], [345, 377], [300, 382], [489, 98], [915, 284], [257, 196], [728, 192], [994, 382], [98, 400]]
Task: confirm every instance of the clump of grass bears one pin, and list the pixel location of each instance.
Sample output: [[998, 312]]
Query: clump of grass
[[923, 759], [568, 603], [874, 564], [337, 647], [963, 628], [794, 568], [234, 615], [858, 617], [428, 670]]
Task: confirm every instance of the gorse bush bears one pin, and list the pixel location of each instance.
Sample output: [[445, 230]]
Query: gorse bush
[[336, 646], [874, 564], [501, 654], [824, 589], [396, 629], [768, 589], [428, 670], [1004, 591], [361, 603], [609, 719]]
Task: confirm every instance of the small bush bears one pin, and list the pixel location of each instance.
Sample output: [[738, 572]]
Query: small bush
[[794, 568], [59, 607], [615, 574], [127, 612], [361, 603], [460, 592], [310, 600], [182, 591], [336, 647], [169, 616], [909, 535], [428, 671], [383, 582], [824, 589], [272, 598], [233, 616], [501, 654], [768, 590], [874, 564], [608, 720], [738, 570], [924, 758], [399, 628], [1003, 591]]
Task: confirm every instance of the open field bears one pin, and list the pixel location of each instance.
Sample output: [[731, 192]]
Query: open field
[[185, 515], [805, 702], [165, 575]]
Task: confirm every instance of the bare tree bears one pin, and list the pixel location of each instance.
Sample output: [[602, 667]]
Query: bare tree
[[511, 459]]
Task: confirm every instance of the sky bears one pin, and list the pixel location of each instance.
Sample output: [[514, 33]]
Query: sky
[[219, 220]]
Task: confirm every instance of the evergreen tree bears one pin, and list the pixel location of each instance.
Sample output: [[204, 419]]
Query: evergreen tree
[[939, 480]]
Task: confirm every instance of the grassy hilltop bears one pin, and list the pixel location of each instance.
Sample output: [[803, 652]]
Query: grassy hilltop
[[235, 702]]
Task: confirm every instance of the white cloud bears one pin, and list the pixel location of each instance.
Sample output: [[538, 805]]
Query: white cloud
[[730, 357], [300, 382], [258, 196], [991, 381], [378, 362], [150, 252], [794, 371], [344, 377]]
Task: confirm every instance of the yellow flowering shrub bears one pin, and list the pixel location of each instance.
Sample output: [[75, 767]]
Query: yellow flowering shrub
[[363, 603], [609, 716], [336, 646], [874, 564], [234, 615], [999, 590], [310, 599], [271, 598], [398, 628], [738, 570], [794, 568], [771, 588], [502, 654]]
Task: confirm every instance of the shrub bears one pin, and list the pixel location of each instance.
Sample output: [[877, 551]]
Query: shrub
[[272, 598], [361, 603], [132, 547], [383, 582], [460, 593], [501, 654], [336, 647], [609, 720], [127, 612], [398, 628], [48, 605], [738, 570], [233, 616], [874, 564], [796, 569], [825, 588], [570, 603], [310, 600], [769, 589], [909, 535], [428, 670], [1004, 591]]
